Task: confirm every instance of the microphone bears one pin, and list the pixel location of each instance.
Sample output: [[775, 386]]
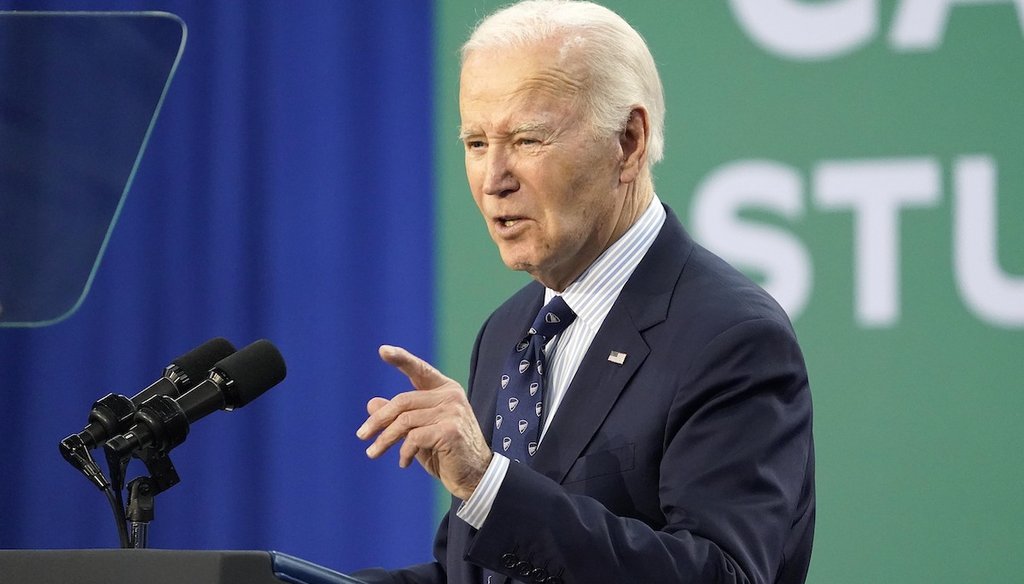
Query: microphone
[[162, 422], [112, 414]]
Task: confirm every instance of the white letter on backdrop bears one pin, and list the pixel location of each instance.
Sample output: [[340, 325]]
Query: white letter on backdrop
[[806, 31], [781, 257], [920, 25], [876, 191], [988, 292]]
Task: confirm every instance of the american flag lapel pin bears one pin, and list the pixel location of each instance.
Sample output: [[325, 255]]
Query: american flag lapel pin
[[617, 357]]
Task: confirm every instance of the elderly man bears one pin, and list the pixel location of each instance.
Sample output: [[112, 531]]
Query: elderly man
[[652, 422]]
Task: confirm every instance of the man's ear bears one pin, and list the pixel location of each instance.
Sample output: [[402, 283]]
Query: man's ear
[[633, 142]]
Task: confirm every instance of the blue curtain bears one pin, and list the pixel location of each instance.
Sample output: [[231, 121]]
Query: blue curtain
[[286, 193]]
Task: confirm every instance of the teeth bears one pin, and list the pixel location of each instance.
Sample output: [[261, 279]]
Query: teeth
[[510, 222]]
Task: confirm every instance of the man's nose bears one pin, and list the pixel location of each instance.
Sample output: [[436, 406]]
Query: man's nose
[[499, 177]]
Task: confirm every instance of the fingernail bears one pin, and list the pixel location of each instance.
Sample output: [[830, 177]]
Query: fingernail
[[369, 452], [361, 432]]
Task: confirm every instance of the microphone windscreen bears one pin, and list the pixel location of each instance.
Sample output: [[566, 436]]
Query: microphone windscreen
[[197, 362], [254, 370]]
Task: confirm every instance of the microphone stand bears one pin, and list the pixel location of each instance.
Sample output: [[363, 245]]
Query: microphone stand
[[159, 412], [142, 492], [140, 511]]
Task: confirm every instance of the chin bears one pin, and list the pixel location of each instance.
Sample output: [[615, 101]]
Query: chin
[[517, 264], [513, 257]]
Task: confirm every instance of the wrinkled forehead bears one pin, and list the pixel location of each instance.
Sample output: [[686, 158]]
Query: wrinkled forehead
[[500, 79]]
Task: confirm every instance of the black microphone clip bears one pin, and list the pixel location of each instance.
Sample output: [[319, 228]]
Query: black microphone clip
[[75, 451]]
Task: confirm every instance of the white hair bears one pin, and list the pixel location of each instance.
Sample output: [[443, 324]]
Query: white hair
[[619, 70]]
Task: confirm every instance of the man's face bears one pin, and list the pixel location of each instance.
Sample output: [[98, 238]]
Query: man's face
[[548, 189]]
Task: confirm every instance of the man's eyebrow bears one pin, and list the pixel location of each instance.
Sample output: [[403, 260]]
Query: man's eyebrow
[[523, 128], [529, 127]]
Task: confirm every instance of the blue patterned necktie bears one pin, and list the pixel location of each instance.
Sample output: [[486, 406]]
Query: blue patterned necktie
[[518, 413], [520, 407]]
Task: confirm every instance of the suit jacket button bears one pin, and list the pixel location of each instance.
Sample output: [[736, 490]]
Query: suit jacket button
[[509, 560], [539, 576], [524, 568]]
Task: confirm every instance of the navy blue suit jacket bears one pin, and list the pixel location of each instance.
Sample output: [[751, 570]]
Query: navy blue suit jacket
[[692, 461]]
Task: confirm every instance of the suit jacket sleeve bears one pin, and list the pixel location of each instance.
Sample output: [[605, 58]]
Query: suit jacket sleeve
[[735, 453]]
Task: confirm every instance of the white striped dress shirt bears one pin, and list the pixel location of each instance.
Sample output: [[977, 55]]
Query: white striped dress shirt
[[591, 297]]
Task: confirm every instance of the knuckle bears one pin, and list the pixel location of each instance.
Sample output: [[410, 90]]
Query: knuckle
[[424, 367], [414, 439], [403, 420], [400, 401], [453, 394], [449, 430], [386, 438]]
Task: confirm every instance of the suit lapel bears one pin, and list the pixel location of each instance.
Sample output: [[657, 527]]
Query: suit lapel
[[643, 303], [591, 395]]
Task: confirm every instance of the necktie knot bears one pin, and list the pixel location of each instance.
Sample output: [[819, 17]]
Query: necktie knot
[[552, 319]]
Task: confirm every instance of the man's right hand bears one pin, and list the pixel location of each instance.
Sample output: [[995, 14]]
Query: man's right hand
[[436, 422]]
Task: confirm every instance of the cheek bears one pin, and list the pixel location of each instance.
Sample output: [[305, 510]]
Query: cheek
[[471, 173], [581, 203], [566, 225], [473, 179]]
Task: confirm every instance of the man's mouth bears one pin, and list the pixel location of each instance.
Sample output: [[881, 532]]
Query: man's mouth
[[508, 220]]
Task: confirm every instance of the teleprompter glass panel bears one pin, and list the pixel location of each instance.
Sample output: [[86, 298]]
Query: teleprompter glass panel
[[79, 94]]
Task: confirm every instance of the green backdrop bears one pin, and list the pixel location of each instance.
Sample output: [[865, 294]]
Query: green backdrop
[[863, 160]]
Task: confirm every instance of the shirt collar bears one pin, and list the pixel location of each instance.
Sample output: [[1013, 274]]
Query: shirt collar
[[591, 295]]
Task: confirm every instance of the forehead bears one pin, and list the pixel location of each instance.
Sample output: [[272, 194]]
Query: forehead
[[498, 85]]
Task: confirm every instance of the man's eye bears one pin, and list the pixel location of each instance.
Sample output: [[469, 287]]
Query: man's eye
[[475, 144], [528, 142]]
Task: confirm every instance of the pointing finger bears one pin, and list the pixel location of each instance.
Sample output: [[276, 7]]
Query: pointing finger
[[422, 374]]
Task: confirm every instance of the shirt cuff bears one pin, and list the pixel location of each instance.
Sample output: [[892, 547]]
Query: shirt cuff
[[477, 507]]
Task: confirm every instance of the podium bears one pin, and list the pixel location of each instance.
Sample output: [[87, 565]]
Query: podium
[[118, 566]]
